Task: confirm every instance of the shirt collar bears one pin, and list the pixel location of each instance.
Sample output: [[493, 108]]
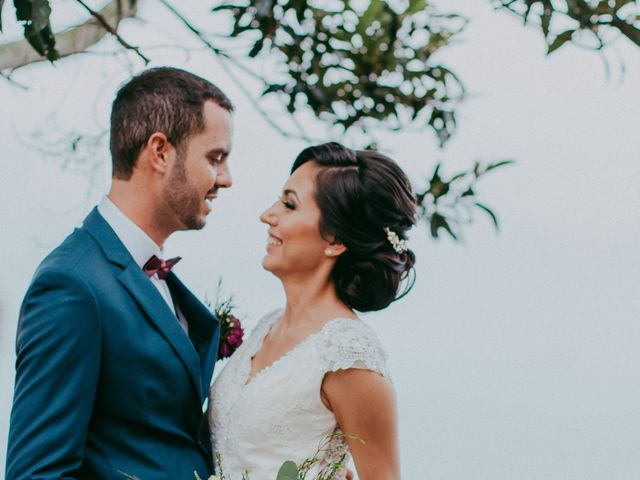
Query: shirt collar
[[135, 240]]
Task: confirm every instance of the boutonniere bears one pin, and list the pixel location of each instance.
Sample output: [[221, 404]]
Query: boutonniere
[[231, 331]]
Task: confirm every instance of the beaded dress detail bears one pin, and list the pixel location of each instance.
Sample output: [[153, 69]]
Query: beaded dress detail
[[256, 424]]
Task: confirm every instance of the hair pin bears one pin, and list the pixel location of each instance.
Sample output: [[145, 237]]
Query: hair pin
[[399, 245]]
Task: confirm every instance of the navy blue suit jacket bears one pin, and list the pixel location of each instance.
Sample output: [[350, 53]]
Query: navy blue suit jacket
[[107, 382]]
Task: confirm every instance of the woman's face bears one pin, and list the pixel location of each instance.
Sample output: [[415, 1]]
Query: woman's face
[[294, 245]]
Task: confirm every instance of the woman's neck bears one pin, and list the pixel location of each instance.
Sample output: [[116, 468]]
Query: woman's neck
[[310, 304]]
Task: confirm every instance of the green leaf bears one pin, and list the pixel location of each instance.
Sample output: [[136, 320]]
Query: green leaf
[[1, 3], [476, 169], [438, 222], [23, 10], [273, 88], [499, 164], [223, 6], [458, 176], [490, 213], [438, 187], [43, 41], [37, 29], [288, 471], [560, 40], [545, 20], [436, 173], [40, 12], [416, 6], [528, 11], [256, 47], [622, 3], [34, 39], [372, 13]]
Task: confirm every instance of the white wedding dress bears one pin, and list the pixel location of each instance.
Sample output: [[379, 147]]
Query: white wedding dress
[[278, 415]]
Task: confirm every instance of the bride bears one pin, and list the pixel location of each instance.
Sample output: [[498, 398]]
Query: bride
[[337, 242]]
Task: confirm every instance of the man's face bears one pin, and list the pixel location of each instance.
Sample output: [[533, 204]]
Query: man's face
[[200, 169]]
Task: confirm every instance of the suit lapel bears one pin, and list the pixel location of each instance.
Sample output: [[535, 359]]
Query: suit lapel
[[147, 296], [139, 286], [204, 328]]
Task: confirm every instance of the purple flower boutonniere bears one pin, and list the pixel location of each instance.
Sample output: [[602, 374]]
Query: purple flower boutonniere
[[231, 334], [231, 331]]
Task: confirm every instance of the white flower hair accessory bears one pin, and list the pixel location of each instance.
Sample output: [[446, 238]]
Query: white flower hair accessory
[[400, 246]]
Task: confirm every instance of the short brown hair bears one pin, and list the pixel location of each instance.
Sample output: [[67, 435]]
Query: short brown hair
[[164, 99]]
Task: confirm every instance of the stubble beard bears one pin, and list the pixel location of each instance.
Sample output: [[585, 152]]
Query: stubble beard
[[182, 198]]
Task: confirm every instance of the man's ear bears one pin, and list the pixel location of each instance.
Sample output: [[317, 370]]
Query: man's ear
[[159, 151]]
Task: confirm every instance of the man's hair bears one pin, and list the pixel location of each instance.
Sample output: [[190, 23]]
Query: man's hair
[[164, 99]]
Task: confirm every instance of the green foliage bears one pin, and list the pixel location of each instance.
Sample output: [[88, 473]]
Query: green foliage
[[332, 451], [365, 64], [591, 22], [1, 4], [288, 471], [355, 66], [447, 204], [34, 14]]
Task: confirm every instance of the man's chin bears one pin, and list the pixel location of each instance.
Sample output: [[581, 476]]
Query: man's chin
[[194, 223]]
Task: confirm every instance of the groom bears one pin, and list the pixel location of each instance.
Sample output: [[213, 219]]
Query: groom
[[114, 353]]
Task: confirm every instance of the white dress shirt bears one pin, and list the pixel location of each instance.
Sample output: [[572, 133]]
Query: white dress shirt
[[141, 248]]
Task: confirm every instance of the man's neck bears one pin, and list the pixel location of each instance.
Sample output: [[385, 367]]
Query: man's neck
[[138, 207]]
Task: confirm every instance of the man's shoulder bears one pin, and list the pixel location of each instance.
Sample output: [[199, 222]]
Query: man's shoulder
[[77, 255]]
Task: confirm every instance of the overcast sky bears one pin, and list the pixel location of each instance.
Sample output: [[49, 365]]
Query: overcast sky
[[517, 355]]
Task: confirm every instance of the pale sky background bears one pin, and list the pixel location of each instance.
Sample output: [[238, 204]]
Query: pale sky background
[[517, 355]]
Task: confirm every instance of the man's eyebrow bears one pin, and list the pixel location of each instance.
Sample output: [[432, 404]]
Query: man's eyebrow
[[292, 192]]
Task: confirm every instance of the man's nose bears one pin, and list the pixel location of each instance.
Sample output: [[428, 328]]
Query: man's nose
[[223, 178]]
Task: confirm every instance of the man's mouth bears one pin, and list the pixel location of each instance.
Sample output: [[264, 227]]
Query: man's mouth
[[209, 198]]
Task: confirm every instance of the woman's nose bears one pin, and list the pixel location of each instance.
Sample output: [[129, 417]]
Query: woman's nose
[[269, 216]]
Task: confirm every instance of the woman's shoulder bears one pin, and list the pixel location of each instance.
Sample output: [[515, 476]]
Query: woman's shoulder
[[351, 343]]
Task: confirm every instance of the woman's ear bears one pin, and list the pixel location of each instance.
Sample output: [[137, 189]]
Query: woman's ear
[[335, 249]]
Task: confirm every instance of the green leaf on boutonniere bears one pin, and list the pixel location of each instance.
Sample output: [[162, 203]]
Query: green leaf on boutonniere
[[288, 471]]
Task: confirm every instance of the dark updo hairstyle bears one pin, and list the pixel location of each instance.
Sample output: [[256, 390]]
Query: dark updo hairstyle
[[360, 193]]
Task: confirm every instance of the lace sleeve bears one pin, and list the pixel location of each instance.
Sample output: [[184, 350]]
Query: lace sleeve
[[352, 344]]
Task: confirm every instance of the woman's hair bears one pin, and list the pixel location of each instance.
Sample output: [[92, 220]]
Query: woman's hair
[[361, 194]]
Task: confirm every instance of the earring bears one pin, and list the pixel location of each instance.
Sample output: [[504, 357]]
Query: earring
[[329, 252]]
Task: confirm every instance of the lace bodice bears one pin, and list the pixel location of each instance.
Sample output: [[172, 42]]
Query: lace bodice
[[278, 415]]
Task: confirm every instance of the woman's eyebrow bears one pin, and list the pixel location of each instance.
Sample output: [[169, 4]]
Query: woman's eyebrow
[[292, 192]]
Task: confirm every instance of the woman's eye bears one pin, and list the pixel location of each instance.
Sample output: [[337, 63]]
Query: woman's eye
[[288, 204]]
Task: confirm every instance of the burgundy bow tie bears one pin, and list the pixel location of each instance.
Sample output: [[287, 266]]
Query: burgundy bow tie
[[161, 267]]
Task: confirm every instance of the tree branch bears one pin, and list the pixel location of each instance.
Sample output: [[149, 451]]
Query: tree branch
[[19, 53], [107, 26], [627, 29], [222, 55]]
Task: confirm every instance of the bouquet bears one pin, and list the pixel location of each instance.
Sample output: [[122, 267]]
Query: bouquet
[[335, 454]]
